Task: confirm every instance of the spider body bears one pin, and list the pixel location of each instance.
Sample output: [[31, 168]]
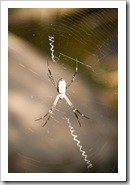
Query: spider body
[[61, 89], [61, 86]]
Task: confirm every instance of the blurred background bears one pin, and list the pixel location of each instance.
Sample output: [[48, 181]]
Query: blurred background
[[89, 36]]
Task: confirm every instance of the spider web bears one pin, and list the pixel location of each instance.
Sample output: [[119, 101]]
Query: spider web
[[90, 37]]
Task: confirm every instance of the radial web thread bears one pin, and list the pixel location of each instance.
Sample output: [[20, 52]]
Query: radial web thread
[[78, 144]]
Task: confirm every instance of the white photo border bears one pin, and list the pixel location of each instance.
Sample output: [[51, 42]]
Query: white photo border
[[121, 175]]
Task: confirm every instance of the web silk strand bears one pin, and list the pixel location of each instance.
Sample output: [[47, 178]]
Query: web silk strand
[[51, 40], [78, 144]]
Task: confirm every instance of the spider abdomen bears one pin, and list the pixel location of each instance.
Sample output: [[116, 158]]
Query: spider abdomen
[[61, 86]]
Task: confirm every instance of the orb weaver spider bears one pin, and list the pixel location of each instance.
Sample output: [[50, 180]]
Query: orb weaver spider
[[61, 89]]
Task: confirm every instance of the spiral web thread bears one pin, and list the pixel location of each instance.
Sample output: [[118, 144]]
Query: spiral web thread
[[51, 41], [78, 144]]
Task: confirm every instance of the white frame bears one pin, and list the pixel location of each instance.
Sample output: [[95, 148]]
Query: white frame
[[121, 175]]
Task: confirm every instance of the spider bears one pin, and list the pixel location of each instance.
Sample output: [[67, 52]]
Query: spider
[[61, 89]]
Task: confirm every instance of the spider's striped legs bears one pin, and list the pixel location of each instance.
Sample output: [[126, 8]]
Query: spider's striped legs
[[50, 74], [50, 111], [75, 111], [73, 78]]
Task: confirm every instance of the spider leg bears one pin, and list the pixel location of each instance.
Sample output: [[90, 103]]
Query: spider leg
[[82, 114], [73, 78], [46, 121], [42, 117], [50, 111], [77, 117], [75, 111], [50, 74]]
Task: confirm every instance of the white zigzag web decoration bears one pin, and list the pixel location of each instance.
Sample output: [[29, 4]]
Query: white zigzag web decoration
[[78, 144], [51, 39]]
